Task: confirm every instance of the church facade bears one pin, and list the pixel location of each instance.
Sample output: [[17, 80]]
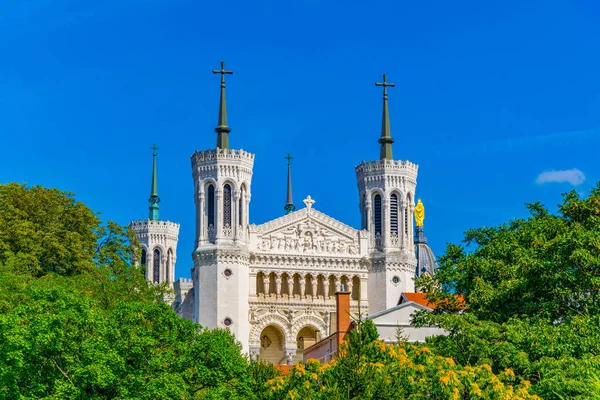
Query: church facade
[[273, 284]]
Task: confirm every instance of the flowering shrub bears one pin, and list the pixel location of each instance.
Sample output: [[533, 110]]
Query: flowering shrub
[[383, 371]]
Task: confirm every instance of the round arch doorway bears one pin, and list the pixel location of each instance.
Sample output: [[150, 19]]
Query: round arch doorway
[[272, 345], [305, 338]]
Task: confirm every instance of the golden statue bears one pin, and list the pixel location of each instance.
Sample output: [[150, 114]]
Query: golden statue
[[419, 213]]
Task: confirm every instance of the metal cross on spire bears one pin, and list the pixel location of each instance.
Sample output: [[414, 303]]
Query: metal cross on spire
[[386, 136], [154, 147], [222, 129], [223, 72], [289, 159]]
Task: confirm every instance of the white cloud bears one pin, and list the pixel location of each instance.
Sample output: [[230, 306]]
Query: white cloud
[[573, 176]]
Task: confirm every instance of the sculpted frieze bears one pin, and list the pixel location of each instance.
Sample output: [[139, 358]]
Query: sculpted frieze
[[308, 237]]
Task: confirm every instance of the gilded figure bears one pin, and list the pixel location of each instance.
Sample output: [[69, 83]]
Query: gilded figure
[[419, 213]]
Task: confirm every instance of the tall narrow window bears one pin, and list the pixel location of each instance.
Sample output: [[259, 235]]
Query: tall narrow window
[[169, 264], [156, 269], [144, 261], [394, 214], [377, 213], [406, 215], [210, 209], [241, 207], [363, 207], [227, 206]]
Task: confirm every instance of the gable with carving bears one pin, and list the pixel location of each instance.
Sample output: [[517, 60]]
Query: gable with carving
[[306, 232]]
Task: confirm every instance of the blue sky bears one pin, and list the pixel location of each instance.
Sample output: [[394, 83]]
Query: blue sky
[[495, 101]]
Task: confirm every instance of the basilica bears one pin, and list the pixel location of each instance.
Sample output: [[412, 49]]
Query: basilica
[[273, 284]]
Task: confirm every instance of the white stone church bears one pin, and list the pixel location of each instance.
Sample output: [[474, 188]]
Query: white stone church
[[273, 284]]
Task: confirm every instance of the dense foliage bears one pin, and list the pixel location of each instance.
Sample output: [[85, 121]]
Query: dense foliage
[[531, 298], [371, 369], [78, 321]]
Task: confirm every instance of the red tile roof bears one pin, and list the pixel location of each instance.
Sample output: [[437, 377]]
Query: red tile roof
[[419, 298]]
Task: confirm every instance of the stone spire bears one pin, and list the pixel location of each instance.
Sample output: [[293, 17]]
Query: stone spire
[[222, 129], [289, 205], [154, 199], [386, 136]]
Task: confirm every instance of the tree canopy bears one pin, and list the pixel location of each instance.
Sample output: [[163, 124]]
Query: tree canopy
[[531, 298], [79, 321]]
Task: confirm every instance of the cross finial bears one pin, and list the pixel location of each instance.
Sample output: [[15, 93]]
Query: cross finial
[[308, 202], [289, 158], [223, 72], [385, 84], [386, 136], [154, 147], [222, 129]]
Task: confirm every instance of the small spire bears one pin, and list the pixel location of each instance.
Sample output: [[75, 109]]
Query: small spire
[[289, 205], [222, 129], [154, 199], [386, 135]]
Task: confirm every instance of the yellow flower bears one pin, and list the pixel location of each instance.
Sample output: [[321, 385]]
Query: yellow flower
[[455, 394], [476, 390]]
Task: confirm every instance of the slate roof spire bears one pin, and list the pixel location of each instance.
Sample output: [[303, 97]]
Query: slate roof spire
[[154, 199], [289, 205], [222, 129], [386, 136]]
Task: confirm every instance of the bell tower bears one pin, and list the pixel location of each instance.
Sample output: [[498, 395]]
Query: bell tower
[[222, 178], [386, 189], [158, 238]]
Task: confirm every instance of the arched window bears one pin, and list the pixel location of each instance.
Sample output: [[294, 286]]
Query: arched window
[[156, 269], [169, 265], [377, 213], [408, 203], [210, 206], [394, 213], [363, 207], [144, 261], [241, 206], [227, 206]]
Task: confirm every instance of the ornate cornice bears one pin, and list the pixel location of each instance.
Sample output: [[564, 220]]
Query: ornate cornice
[[226, 256]]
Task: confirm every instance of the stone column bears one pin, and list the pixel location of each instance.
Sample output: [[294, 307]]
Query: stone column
[[266, 283], [219, 213], [278, 285], [385, 221], [302, 286], [369, 211], [411, 240], [290, 282], [326, 288], [401, 228], [235, 198], [150, 265], [349, 287], [336, 282], [199, 200]]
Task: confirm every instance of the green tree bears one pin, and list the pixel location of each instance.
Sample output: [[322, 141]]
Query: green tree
[[529, 293], [79, 321], [56, 341], [543, 266]]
